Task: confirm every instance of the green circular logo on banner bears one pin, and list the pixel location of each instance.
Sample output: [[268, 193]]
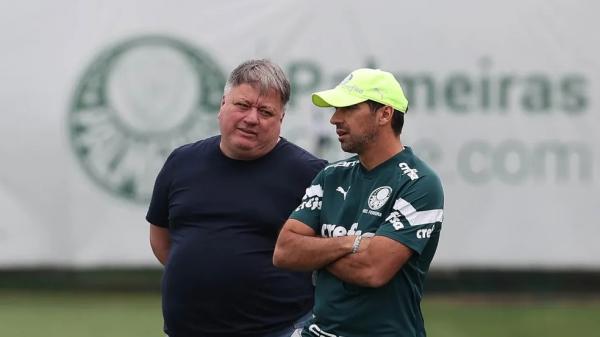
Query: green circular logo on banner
[[135, 103]]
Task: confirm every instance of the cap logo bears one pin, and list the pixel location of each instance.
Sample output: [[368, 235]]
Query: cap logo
[[353, 89], [346, 80]]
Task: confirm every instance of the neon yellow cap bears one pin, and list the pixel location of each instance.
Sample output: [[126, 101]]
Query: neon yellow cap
[[361, 85]]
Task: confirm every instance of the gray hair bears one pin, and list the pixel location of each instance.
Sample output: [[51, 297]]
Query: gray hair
[[263, 75]]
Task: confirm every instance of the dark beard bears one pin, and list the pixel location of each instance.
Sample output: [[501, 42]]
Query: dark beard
[[357, 144]]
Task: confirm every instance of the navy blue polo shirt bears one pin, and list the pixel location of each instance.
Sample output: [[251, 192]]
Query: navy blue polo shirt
[[224, 216]]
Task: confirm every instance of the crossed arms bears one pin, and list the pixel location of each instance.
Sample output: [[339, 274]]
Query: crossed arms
[[298, 248], [378, 259]]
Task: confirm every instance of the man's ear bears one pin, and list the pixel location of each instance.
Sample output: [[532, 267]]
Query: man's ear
[[386, 114], [222, 103]]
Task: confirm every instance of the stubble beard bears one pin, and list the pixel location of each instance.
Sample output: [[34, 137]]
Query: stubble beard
[[359, 143]]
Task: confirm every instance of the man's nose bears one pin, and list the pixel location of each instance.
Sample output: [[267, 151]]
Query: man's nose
[[251, 116], [335, 118]]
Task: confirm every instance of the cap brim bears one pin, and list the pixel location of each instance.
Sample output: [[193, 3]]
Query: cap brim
[[336, 98]]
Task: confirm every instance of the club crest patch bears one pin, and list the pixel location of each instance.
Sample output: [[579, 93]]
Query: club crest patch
[[379, 197]]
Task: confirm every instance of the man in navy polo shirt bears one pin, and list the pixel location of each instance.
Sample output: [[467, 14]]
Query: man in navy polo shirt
[[216, 210]]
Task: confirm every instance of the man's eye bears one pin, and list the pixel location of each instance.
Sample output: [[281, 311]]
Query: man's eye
[[266, 113], [242, 105]]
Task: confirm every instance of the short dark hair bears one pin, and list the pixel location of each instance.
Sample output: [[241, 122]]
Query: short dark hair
[[397, 117], [262, 73]]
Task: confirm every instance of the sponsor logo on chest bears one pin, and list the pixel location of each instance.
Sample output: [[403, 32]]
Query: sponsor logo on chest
[[333, 231]]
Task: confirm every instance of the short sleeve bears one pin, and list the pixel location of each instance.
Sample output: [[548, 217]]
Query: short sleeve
[[158, 211], [416, 215], [309, 210]]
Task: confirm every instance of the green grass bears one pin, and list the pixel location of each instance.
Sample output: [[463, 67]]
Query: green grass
[[62, 314], [109, 314], [511, 318]]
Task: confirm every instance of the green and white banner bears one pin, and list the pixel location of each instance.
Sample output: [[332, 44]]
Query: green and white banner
[[503, 104]]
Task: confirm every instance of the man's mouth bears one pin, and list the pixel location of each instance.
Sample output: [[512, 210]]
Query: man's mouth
[[247, 131]]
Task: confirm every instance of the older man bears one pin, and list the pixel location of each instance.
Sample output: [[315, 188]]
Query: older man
[[217, 208]]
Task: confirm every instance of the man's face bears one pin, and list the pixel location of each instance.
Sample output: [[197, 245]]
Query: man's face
[[249, 122], [356, 127]]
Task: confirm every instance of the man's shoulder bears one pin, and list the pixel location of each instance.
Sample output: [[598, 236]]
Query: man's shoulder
[[418, 178], [342, 165], [299, 155], [200, 147], [413, 166]]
